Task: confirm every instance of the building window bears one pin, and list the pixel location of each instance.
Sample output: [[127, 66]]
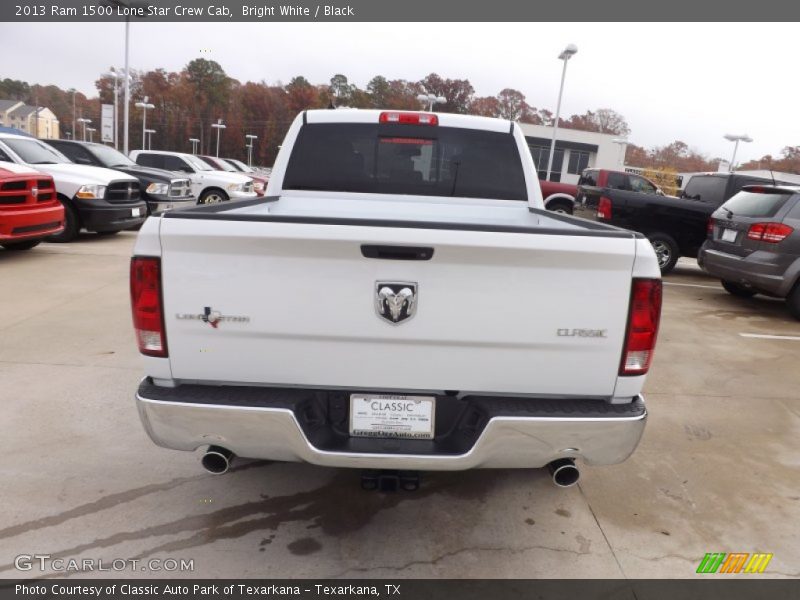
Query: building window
[[541, 155], [578, 161]]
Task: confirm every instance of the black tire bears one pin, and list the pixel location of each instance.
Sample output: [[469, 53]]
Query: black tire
[[21, 245], [667, 251], [212, 196], [793, 302], [559, 206], [71, 226], [738, 290]]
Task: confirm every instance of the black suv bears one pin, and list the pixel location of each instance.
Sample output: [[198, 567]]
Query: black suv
[[162, 190]]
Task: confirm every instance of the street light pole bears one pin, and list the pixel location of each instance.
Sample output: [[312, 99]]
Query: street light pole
[[736, 138], [194, 141], [84, 122], [144, 106], [249, 147], [565, 55], [218, 126], [127, 108], [150, 133], [91, 131]]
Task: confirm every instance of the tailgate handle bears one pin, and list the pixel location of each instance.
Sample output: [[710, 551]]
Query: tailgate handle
[[396, 252]]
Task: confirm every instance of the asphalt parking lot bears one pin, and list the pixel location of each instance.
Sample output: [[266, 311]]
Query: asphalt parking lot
[[718, 469]]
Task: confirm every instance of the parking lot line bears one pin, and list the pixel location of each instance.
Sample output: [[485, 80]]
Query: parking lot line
[[764, 336], [696, 285]]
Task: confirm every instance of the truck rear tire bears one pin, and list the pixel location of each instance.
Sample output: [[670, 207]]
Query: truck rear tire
[[666, 249], [738, 290], [564, 208]]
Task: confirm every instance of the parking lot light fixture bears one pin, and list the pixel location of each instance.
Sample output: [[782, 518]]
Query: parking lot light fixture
[[249, 137], [431, 99], [84, 122], [91, 131], [565, 55], [194, 142], [218, 126], [736, 138], [144, 106]]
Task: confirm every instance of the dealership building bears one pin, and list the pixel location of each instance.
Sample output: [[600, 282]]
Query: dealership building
[[575, 151]]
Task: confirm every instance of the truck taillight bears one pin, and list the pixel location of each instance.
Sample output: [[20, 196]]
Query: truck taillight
[[644, 315], [604, 208], [408, 118], [772, 233], [710, 226], [146, 304]]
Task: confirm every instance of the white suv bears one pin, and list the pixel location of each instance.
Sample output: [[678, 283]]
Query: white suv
[[208, 186]]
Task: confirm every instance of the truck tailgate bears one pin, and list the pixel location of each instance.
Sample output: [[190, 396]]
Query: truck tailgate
[[499, 312]]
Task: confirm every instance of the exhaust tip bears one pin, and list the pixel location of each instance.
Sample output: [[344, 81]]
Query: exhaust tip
[[217, 460], [564, 472]]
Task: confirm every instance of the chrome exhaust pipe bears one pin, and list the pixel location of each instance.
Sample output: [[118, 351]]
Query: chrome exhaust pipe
[[217, 460], [564, 472]]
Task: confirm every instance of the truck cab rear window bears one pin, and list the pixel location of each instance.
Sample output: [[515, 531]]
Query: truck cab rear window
[[403, 159]]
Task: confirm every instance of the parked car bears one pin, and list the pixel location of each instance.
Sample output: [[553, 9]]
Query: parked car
[[29, 208], [259, 183], [161, 190], [401, 300], [753, 244], [244, 168], [559, 197], [208, 185], [94, 198], [675, 226]]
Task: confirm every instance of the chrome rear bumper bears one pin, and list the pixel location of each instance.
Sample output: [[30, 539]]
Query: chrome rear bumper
[[510, 441]]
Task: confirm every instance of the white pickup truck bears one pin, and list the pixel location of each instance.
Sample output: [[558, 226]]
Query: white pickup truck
[[399, 300]]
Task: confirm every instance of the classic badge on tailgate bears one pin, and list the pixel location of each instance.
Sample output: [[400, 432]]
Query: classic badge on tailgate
[[395, 301]]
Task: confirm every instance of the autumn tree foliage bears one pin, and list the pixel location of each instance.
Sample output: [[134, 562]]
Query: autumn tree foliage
[[602, 120], [187, 102], [789, 161], [677, 156]]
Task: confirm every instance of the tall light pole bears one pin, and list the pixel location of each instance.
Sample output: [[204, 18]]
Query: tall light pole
[[565, 55], [144, 106], [150, 133], [84, 122], [73, 112], [431, 99], [117, 75], [91, 131], [736, 138], [249, 147], [194, 141], [218, 126]]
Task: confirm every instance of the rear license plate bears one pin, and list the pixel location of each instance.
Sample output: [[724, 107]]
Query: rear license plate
[[391, 416], [729, 235], [136, 212]]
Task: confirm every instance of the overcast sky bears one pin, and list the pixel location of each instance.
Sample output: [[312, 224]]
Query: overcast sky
[[692, 82]]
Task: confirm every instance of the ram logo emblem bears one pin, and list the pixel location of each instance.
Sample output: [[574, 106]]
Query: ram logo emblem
[[395, 301]]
